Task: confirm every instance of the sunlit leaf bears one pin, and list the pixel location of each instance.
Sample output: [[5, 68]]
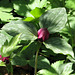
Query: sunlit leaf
[[24, 7], [46, 72], [9, 47], [5, 5], [54, 20], [2, 63], [27, 29], [4, 16], [3, 37], [70, 4], [62, 68]]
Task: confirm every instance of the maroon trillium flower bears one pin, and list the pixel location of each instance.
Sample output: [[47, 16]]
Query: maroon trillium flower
[[43, 34], [4, 58]]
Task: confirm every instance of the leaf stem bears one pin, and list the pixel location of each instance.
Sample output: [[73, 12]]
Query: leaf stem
[[36, 60]]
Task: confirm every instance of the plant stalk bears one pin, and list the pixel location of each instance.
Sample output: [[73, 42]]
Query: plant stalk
[[36, 60], [9, 69]]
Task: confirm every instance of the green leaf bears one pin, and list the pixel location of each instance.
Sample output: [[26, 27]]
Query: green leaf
[[70, 4], [3, 37], [5, 16], [72, 22], [54, 20], [66, 69], [17, 60], [5, 5], [2, 63], [57, 3], [28, 51], [46, 72], [57, 68], [37, 12], [9, 47], [7, 36], [37, 3], [58, 45], [70, 29], [62, 68], [29, 19], [43, 63], [27, 29], [24, 7], [56, 65]]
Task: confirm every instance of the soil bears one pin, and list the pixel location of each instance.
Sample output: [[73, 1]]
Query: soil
[[18, 70]]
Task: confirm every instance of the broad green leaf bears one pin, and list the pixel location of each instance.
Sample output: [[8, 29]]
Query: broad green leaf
[[37, 3], [24, 7], [21, 7], [72, 22], [73, 12], [4, 16], [27, 29], [70, 4], [62, 68], [17, 60], [28, 51], [58, 45], [57, 68], [2, 63], [37, 12], [43, 63], [66, 69], [54, 20], [70, 29], [29, 19], [9, 47], [5, 5], [46, 72], [56, 65], [71, 58], [3, 37], [6, 35]]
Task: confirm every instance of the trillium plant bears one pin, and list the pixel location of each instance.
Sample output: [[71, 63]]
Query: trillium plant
[[28, 42]]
